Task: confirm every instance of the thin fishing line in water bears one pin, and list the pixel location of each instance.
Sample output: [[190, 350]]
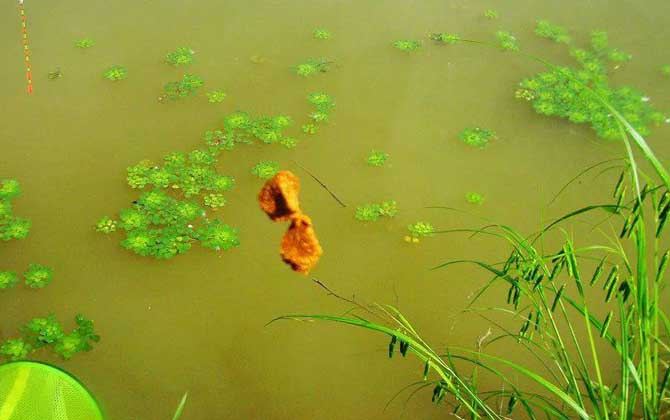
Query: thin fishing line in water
[[332, 194], [26, 47]]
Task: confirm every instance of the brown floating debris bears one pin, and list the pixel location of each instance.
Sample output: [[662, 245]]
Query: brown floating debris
[[279, 200]]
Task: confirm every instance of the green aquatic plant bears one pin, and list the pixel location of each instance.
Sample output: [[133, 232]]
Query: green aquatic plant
[[38, 276], [445, 38], [372, 212], [11, 227], [180, 57], [288, 142], [491, 14], [421, 229], [546, 29], [477, 137], [84, 43], [321, 101], [377, 158], [665, 70], [265, 170], [9, 189], [116, 73], [218, 236], [8, 279], [407, 45], [187, 86], [474, 198], [106, 225], [321, 33], [312, 66], [48, 332], [14, 350], [507, 41], [214, 200], [216, 96], [309, 128]]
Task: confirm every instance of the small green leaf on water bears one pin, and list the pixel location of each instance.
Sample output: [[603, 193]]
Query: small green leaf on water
[[215, 96], [665, 70], [377, 158], [477, 137], [116, 73], [322, 33], [445, 38], [490, 14], [474, 198], [84, 43], [507, 41], [407, 45]]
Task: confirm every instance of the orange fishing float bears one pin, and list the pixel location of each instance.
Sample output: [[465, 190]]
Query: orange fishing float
[[26, 48]]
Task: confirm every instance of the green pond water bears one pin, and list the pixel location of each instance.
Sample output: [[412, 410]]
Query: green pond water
[[197, 322]]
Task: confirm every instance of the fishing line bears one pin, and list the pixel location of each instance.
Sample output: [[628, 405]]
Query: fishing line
[[26, 47]]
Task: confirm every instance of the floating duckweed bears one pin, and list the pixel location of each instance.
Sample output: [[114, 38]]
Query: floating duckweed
[[575, 93], [288, 142], [11, 227], [181, 56], [8, 279], [16, 349], [321, 33], [321, 101], [218, 236], [445, 38], [38, 276], [309, 128], [665, 70], [491, 14], [44, 330], [421, 229], [377, 158], [371, 212], [477, 137], [407, 45], [312, 66], [187, 86], [106, 225], [265, 170], [507, 41], [84, 43], [216, 96], [474, 198], [214, 200], [116, 73], [546, 29]]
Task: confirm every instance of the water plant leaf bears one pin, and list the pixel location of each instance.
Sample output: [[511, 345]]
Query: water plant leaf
[[322, 33], [180, 57], [474, 198], [477, 137], [265, 169], [377, 158], [491, 14], [38, 276], [507, 41], [116, 73], [407, 45], [546, 29], [84, 43], [312, 66], [216, 96], [183, 88], [421, 229]]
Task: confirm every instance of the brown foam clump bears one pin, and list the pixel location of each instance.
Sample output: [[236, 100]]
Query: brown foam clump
[[278, 198]]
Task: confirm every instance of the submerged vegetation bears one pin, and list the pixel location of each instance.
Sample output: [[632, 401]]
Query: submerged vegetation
[[187, 86], [48, 333], [216, 96], [84, 43], [180, 57], [477, 137], [377, 158], [407, 45], [116, 73], [372, 212]]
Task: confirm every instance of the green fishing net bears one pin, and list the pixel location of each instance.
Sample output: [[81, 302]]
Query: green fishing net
[[36, 391]]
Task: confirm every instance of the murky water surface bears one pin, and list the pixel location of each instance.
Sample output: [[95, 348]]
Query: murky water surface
[[198, 322]]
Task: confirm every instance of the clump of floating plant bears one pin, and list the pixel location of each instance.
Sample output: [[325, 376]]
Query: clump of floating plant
[[265, 169], [312, 66], [187, 86], [577, 93], [407, 45], [11, 227], [477, 137], [216, 96], [372, 212], [116, 73], [180, 57], [474, 198], [322, 33], [47, 332], [507, 41], [419, 230], [546, 29], [491, 14], [445, 38], [377, 158], [38, 276], [665, 70], [8, 279], [84, 43], [323, 104], [168, 218]]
